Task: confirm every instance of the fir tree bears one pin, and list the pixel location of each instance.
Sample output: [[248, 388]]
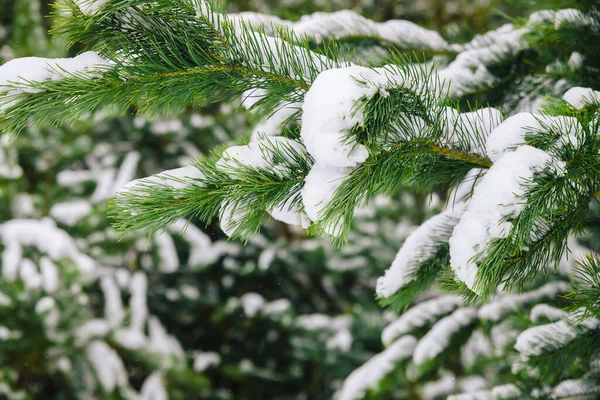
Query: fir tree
[[338, 128]]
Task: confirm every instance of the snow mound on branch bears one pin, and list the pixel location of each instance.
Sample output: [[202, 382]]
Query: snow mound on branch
[[421, 245], [497, 196], [371, 372], [418, 316], [330, 111], [319, 187], [438, 338], [578, 96], [512, 132], [43, 235], [177, 178], [16, 73], [275, 154]]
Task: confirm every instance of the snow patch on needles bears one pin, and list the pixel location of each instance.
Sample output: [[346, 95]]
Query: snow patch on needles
[[330, 111], [16, 73], [498, 195], [370, 373], [579, 97], [438, 338], [511, 133], [498, 309], [544, 338], [277, 155], [177, 178], [422, 314], [319, 187], [43, 235], [421, 245]]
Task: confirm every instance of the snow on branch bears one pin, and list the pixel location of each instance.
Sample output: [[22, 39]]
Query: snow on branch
[[373, 371]]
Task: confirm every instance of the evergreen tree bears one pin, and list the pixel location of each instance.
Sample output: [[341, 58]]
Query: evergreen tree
[[338, 129]]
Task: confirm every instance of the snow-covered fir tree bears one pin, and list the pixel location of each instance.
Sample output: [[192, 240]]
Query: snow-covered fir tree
[[494, 296]]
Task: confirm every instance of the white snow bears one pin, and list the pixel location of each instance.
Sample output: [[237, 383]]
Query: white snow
[[263, 154], [272, 124], [424, 313], [499, 308], [496, 197], [205, 360], [137, 302], [70, 212], [511, 133], [420, 246], [46, 237], [29, 274], [90, 7], [320, 184], [113, 305], [330, 111], [370, 373], [167, 253], [160, 341], [15, 73], [579, 96], [91, 329], [202, 250], [537, 340], [438, 337], [477, 346], [49, 274], [321, 26], [230, 217], [154, 388], [508, 391], [469, 130], [539, 312], [177, 178], [252, 304]]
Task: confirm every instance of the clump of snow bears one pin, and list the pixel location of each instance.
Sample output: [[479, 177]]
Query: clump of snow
[[421, 245], [167, 253], [573, 17], [108, 366], [540, 339], [468, 70], [498, 309], [252, 303], [70, 212], [438, 338], [512, 132], [422, 314], [205, 360], [177, 178], [46, 237], [276, 154], [579, 96], [272, 124], [160, 341], [508, 391], [137, 302], [154, 388], [331, 110], [113, 305], [439, 388], [319, 187], [477, 346], [370, 373], [49, 274], [90, 329], [90, 7], [496, 197], [15, 74], [539, 312], [469, 130]]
